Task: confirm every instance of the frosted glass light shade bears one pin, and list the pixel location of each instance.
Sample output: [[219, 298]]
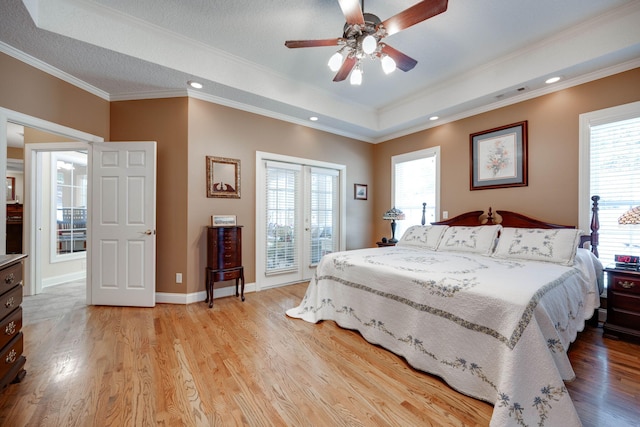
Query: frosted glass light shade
[[356, 77], [388, 64], [369, 44], [335, 62]]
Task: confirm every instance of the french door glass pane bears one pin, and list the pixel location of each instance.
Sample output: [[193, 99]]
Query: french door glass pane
[[324, 203], [281, 216], [70, 189]]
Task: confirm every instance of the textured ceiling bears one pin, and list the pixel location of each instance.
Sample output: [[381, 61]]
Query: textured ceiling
[[479, 54]]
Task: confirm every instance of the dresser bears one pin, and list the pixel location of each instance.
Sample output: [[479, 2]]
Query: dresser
[[11, 339], [224, 258], [623, 304]]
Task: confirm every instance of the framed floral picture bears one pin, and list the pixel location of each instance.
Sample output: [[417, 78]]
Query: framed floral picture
[[499, 157]]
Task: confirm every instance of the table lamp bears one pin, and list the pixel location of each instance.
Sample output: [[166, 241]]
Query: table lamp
[[632, 216], [393, 214]]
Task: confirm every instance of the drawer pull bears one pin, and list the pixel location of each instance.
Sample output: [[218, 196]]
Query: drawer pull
[[9, 302], [626, 284], [9, 278], [12, 356], [10, 329]]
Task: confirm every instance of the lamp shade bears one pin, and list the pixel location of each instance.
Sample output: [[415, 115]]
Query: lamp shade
[[393, 213], [632, 216]]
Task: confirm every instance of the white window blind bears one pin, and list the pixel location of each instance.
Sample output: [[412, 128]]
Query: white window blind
[[324, 212], [615, 177], [415, 181], [282, 216]]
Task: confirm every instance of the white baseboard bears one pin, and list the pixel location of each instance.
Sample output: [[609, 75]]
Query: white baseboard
[[173, 298], [64, 278]]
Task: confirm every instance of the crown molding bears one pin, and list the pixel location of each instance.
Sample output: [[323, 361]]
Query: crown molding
[[53, 71]]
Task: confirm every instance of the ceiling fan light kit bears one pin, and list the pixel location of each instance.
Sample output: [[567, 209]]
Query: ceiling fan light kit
[[362, 37]]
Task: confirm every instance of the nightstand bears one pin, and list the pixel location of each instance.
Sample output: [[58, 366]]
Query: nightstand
[[383, 244], [623, 304]]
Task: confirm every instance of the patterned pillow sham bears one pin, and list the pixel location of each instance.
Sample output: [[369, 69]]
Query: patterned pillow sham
[[423, 236], [556, 245], [479, 240]]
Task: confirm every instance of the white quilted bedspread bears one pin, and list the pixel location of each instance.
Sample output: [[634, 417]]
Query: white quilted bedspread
[[495, 329]]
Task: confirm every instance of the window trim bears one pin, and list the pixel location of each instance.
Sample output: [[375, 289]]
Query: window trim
[[416, 155], [586, 121]]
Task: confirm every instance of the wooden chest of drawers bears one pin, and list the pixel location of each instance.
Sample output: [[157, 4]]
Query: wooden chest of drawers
[[11, 339], [224, 258], [623, 304]]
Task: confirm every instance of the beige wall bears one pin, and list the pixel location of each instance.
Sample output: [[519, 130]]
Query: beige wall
[[187, 130], [220, 131], [163, 121], [30, 91], [213, 130], [552, 193]]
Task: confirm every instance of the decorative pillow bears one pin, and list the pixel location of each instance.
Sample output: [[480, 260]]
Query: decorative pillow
[[479, 240], [556, 245], [424, 236]]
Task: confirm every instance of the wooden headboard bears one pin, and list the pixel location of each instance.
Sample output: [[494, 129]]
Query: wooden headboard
[[514, 219]]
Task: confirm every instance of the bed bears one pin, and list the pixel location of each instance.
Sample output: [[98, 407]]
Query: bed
[[488, 303]]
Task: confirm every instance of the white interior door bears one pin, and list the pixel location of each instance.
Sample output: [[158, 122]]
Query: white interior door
[[123, 224]]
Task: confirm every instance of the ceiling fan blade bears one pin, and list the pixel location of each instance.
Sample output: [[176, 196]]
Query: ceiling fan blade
[[346, 68], [311, 43], [352, 11], [413, 15], [403, 62]]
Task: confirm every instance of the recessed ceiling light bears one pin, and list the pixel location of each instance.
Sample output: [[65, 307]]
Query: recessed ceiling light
[[552, 80], [195, 85], [434, 118], [313, 118]]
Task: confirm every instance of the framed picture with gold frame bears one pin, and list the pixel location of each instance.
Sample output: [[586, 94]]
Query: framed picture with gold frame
[[223, 177]]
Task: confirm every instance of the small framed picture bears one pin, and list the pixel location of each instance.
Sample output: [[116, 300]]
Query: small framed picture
[[360, 191], [223, 220]]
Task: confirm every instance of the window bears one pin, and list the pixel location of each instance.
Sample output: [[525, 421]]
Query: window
[[416, 180], [69, 202], [609, 159]]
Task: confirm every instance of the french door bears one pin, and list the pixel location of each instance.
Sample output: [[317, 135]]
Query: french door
[[298, 219]]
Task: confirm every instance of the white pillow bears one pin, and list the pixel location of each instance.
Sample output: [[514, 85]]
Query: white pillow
[[423, 236], [479, 240], [556, 245]]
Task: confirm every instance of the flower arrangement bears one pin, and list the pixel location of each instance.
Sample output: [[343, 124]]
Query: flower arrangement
[[498, 158]]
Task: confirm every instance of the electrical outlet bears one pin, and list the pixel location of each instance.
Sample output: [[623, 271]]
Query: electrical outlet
[[178, 277], [445, 214]]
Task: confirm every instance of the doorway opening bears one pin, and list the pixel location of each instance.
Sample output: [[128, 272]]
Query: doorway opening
[[37, 133]]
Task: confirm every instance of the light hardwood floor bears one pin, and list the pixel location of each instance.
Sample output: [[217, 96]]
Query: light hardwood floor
[[248, 364]]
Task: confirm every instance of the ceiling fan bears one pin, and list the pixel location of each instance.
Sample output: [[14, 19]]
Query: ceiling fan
[[362, 37]]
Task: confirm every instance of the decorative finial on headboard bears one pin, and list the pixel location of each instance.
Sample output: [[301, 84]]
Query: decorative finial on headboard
[[595, 225], [424, 208], [490, 219]]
